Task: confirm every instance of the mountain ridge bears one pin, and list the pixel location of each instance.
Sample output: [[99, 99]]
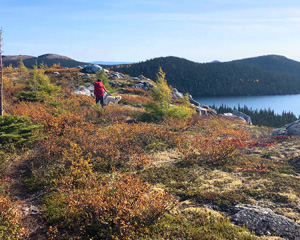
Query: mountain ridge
[[234, 78], [48, 59]]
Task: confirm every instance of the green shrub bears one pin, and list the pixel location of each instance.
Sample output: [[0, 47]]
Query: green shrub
[[105, 81], [161, 94], [31, 96], [17, 130], [156, 112]]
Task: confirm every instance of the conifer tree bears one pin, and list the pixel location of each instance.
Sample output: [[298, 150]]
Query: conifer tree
[[161, 93], [9, 68], [22, 67]]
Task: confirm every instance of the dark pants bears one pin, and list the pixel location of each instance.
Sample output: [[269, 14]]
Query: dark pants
[[101, 101]]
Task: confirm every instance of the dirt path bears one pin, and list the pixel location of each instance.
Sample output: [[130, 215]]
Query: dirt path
[[32, 221]]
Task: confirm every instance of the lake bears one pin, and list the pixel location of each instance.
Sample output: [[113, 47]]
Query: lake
[[278, 103]]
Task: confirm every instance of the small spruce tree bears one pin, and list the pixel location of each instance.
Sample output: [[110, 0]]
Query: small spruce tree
[[105, 81], [22, 67]]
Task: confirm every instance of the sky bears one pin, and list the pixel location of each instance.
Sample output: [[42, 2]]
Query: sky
[[137, 30]]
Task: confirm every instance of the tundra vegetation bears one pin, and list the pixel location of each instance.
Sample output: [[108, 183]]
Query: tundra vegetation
[[159, 171]]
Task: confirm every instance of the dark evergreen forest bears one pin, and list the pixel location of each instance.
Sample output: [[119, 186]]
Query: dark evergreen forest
[[263, 117], [218, 78]]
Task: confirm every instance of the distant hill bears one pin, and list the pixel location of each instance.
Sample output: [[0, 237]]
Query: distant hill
[[109, 63], [256, 76], [49, 59], [275, 63]]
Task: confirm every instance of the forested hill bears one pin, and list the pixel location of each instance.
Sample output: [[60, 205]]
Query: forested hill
[[218, 78], [47, 59], [274, 63]]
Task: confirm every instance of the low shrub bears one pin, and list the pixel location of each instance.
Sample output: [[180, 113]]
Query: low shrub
[[10, 217], [17, 130], [118, 206]]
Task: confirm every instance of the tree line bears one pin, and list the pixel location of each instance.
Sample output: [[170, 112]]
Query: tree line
[[262, 117]]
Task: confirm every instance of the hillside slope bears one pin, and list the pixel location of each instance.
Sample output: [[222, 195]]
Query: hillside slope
[[215, 79], [79, 171], [275, 63]]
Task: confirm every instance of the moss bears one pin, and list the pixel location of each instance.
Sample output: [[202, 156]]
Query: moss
[[168, 174], [258, 194], [197, 226]]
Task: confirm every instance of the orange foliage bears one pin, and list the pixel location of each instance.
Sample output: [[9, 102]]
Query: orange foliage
[[61, 70], [215, 144], [114, 146], [136, 99], [137, 91], [10, 217], [118, 206]]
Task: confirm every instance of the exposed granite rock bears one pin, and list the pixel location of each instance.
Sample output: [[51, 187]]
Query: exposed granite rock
[[201, 111], [116, 75], [92, 68], [210, 110], [292, 128], [243, 115], [145, 85], [231, 115], [263, 221], [192, 101], [176, 94]]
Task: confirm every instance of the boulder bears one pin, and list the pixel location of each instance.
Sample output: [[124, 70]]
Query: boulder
[[144, 85], [141, 77], [134, 78], [140, 85], [210, 110], [92, 68], [292, 128], [246, 117], [192, 101], [112, 83], [84, 92], [176, 94], [116, 75], [231, 115], [87, 90], [201, 111], [263, 221], [148, 84]]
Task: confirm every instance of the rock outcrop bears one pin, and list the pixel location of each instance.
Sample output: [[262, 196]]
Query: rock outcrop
[[87, 90], [243, 115], [176, 94], [231, 115], [292, 128], [192, 101], [240, 116], [201, 111], [116, 75], [263, 221], [93, 68], [145, 85]]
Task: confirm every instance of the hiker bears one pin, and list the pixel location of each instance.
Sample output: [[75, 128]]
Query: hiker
[[99, 89]]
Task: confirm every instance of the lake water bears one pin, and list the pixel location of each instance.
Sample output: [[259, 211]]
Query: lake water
[[278, 103]]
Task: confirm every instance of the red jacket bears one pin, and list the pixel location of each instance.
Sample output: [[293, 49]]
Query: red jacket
[[98, 89]]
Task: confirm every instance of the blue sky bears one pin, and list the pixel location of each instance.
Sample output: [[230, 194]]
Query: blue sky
[[132, 30]]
